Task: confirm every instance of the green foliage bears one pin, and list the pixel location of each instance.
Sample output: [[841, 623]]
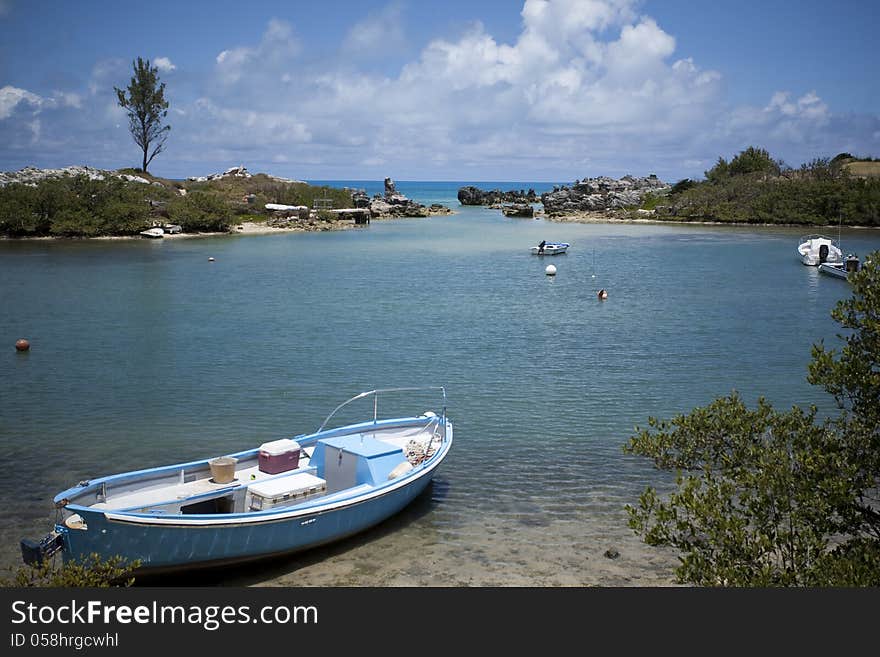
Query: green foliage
[[753, 188], [719, 173], [271, 190], [852, 374], [92, 571], [200, 211], [147, 108], [769, 498], [682, 186], [76, 207], [753, 160], [79, 207]]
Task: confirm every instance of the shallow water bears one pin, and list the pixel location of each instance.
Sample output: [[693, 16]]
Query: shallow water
[[145, 353]]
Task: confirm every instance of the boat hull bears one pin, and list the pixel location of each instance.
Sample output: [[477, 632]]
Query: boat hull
[[550, 249], [169, 547], [199, 514]]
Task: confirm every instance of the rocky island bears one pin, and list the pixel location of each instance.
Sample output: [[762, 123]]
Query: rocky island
[[471, 195], [394, 204], [600, 195], [588, 198]]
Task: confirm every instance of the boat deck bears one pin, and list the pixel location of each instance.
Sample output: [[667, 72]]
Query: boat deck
[[247, 472]]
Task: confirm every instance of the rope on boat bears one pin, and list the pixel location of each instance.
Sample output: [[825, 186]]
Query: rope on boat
[[417, 453]]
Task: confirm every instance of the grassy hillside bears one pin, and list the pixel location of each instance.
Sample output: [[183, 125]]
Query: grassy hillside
[[863, 168], [75, 206], [755, 188]]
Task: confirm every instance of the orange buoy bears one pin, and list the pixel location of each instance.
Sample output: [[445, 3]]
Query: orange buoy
[[22, 345]]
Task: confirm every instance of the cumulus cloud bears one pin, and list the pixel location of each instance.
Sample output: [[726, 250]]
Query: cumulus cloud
[[277, 47], [163, 64], [583, 80], [11, 97], [380, 32], [586, 87]]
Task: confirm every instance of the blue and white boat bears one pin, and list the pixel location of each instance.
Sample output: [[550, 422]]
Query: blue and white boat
[[850, 265], [550, 248], [281, 497]]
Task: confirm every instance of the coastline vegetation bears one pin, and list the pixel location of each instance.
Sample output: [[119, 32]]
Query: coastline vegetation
[[77, 206], [766, 497], [753, 188], [92, 572]]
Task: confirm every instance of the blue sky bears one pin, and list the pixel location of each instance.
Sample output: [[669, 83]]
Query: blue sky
[[529, 90]]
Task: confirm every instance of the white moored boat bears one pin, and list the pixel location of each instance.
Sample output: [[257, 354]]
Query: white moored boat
[[550, 248], [153, 232], [813, 250]]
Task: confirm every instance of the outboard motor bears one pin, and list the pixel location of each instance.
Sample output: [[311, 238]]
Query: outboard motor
[[33, 552], [823, 253]]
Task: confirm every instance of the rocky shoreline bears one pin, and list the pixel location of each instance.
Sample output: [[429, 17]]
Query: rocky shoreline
[[601, 194], [279, 218], [393, 204]]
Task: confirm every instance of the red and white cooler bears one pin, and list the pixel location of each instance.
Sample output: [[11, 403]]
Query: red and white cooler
[[279, 456]]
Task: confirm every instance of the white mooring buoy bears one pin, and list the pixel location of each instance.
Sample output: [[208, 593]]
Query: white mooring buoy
[[551, 270]]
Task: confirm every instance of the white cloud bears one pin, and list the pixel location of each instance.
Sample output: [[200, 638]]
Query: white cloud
[[69, 99], [278, 46], [164, 64], [584, 87], [108, 73], [36, 130], [582, 76], [378, 33], [11, 97]]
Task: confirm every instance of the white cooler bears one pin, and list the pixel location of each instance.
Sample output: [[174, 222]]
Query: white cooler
[[285, 490]]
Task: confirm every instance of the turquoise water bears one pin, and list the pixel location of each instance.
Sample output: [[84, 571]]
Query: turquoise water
[[144, 352]]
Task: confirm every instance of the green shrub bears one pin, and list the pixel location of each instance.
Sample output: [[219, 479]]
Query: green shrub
[[91, 571], [200, 211]]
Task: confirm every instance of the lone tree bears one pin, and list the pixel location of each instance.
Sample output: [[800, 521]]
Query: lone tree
[[147, 108], [773, 498]]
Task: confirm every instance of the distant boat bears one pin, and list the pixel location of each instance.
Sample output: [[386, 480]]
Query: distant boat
[[813, 250], [281, 497], [850, 265], [550, 248], [153, 232]]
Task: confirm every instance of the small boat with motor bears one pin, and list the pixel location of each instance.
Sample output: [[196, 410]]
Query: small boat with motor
[[550, 248], [284, 496], [850, 265], [153, 232], [815, 249]]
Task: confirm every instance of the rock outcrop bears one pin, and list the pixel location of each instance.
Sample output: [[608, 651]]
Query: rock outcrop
[[471, 195], [33, 176], [518, 210], [394, 204], [238, 172], [600, 194]]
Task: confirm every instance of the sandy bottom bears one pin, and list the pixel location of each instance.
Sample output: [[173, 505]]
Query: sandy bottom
[[422, 546]]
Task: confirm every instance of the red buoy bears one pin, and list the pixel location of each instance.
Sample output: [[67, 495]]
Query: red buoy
[[22, 345]]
